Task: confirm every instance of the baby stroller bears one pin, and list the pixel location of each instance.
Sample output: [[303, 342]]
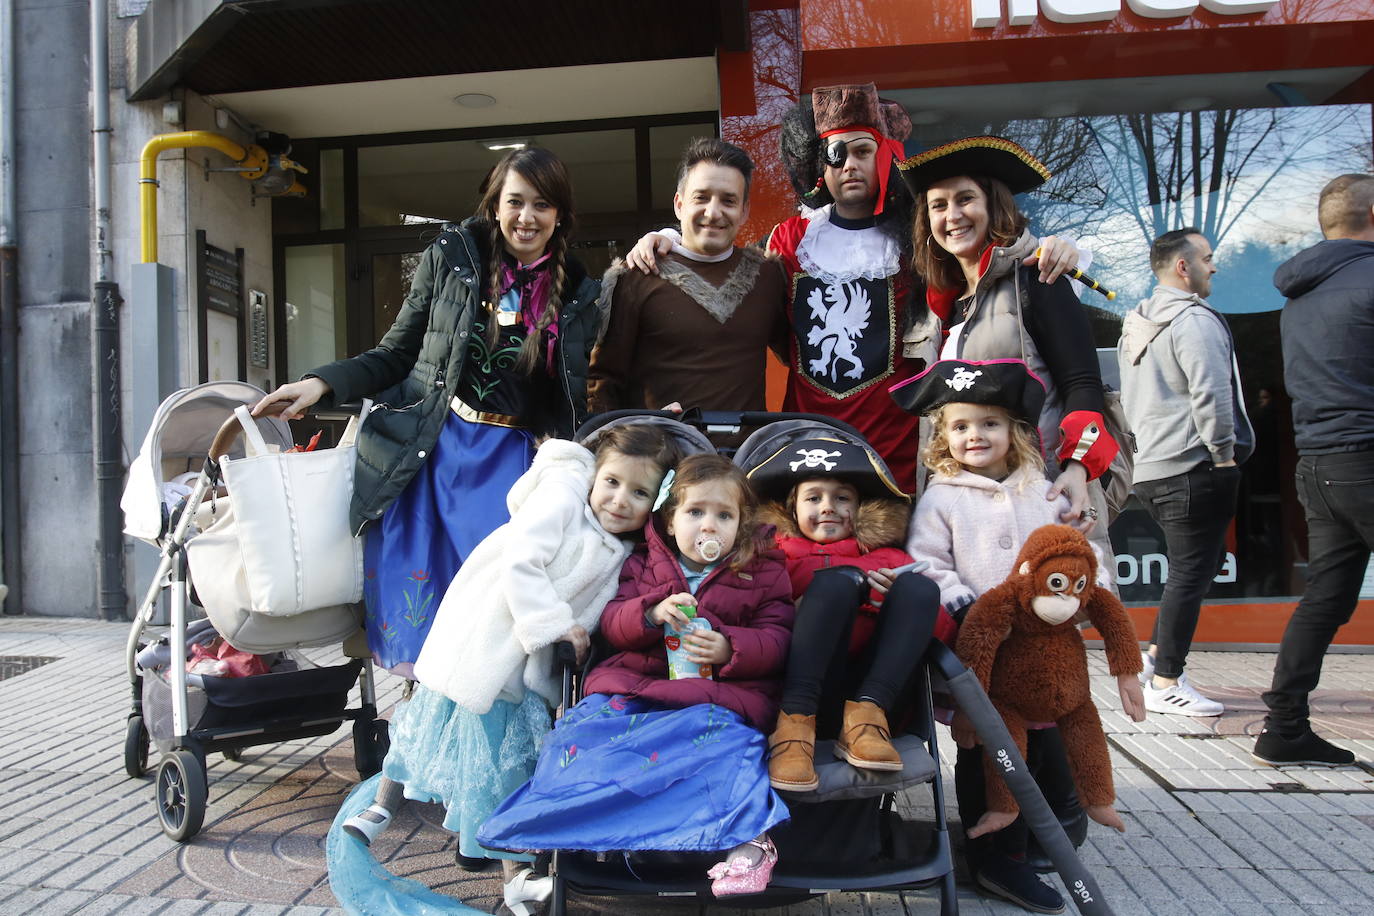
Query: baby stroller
[[848, 835], [188, 716]]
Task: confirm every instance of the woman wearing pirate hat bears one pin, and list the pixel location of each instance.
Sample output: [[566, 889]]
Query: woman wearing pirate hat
[[969, 240]]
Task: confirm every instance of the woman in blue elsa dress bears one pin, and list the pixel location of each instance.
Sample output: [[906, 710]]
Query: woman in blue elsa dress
[[488, 352]]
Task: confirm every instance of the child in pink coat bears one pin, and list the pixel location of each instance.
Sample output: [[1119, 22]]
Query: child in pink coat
[[988, 491]]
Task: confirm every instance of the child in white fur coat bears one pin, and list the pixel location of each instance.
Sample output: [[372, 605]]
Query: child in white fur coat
[[469, 734]]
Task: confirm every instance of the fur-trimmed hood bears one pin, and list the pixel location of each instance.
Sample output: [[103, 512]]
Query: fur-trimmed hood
[[879, 522]]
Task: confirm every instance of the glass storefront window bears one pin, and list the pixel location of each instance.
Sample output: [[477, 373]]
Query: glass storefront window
[[331, 183], [316, 329], [434, 182], [665, 149], [1249, 179]]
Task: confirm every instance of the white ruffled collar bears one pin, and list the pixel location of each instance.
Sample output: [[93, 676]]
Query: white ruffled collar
[[836, 255]]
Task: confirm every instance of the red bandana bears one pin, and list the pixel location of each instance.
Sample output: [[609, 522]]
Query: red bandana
[[889, 150]]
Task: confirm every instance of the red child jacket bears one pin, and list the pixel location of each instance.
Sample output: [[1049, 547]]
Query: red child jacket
[[805, 558]]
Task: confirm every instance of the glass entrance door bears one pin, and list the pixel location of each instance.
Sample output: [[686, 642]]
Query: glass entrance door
[[385, 269]]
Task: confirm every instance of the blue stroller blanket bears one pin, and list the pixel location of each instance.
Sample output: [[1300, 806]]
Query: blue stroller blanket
[[620, 773]]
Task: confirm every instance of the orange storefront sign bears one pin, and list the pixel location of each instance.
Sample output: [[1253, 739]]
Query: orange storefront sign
[[919, 43], [1252, 623]]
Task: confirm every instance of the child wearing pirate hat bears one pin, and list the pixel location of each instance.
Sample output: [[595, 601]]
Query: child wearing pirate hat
[[987, 493], [858, 629]]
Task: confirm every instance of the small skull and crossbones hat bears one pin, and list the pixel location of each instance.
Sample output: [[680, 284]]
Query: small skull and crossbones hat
[[823, 456], [1006, 383]]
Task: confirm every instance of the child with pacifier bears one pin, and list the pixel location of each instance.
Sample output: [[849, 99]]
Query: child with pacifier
[[469, 735], [858, 637], [646, 762], [987, 493]]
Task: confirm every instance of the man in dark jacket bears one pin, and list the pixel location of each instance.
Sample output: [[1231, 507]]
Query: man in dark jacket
[[1328, 334]]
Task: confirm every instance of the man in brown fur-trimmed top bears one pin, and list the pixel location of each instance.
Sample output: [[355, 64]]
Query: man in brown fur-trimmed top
[[695, 333]]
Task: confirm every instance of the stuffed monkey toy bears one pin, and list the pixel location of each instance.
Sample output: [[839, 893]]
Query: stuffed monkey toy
[[1021, 642]]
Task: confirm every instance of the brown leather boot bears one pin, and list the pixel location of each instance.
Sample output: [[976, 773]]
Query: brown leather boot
[[792, 752], [865, 740]]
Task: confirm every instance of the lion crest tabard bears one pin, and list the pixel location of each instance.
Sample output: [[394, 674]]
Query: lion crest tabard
[[843, 333]]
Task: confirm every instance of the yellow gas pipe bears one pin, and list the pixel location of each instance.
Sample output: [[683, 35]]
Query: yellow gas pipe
[[253, 159]]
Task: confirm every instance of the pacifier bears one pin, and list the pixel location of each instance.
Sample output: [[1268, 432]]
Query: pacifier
[[709, 547]]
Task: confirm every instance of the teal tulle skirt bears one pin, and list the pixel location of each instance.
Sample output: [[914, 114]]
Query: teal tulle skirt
[[444, 753]]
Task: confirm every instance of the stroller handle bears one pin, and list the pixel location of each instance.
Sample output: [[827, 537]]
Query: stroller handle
[[229, 432], [712, 419], [231, 429]]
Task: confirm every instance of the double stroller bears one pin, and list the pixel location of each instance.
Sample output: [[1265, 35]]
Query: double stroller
[[850, 834], [172, 490]]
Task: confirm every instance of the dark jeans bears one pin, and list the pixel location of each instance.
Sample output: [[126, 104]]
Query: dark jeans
[[1338, 493], [1048, 763], [821, 676], [1194, 510]]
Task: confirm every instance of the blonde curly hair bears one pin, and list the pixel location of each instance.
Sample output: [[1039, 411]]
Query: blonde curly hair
[[1024, 450]]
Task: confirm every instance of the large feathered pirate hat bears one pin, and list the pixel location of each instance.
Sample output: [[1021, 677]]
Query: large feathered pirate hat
[[834, 110], [1006, 383], [996, 157]]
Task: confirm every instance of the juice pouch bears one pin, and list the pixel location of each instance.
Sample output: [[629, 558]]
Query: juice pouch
[[679, 666]]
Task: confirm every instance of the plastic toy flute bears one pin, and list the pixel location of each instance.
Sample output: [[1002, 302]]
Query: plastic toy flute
[[1086, 280]]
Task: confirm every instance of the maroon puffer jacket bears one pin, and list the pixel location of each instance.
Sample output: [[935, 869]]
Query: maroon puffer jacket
[[753, 608]]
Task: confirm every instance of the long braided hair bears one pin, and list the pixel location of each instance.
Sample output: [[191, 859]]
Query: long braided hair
[[546, 173]]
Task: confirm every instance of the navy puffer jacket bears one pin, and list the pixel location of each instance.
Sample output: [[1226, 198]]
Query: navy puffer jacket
[[1328, 345]]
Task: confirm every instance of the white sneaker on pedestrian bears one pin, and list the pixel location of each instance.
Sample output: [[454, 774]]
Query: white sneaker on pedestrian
[[1147, 670], [1180, 699]]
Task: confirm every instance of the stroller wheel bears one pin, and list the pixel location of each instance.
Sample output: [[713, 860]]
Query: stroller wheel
[[181, 795], [371, 741], [136, 748]]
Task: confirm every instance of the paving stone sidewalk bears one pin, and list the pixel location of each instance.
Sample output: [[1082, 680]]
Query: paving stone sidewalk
[[1209, 831]]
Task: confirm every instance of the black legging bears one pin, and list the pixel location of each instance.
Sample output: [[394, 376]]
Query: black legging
[[1048, 763], [820, 676]]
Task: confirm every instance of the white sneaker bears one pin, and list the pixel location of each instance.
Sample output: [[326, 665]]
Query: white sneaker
[[1180, 699], [1147, 669]]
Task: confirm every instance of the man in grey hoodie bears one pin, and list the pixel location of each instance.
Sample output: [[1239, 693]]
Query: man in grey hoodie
[[1180, 388], [1328, 338]]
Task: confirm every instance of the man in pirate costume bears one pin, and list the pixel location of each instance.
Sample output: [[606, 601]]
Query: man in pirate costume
[[697, 332], [846, 257], [856, 325]]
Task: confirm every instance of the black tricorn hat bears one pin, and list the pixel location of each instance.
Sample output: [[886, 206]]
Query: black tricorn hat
[[1007, 383], [996, 157], [822, 455]]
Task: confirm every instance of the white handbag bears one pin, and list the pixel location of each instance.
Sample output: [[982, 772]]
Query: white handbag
[[280, 544]]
